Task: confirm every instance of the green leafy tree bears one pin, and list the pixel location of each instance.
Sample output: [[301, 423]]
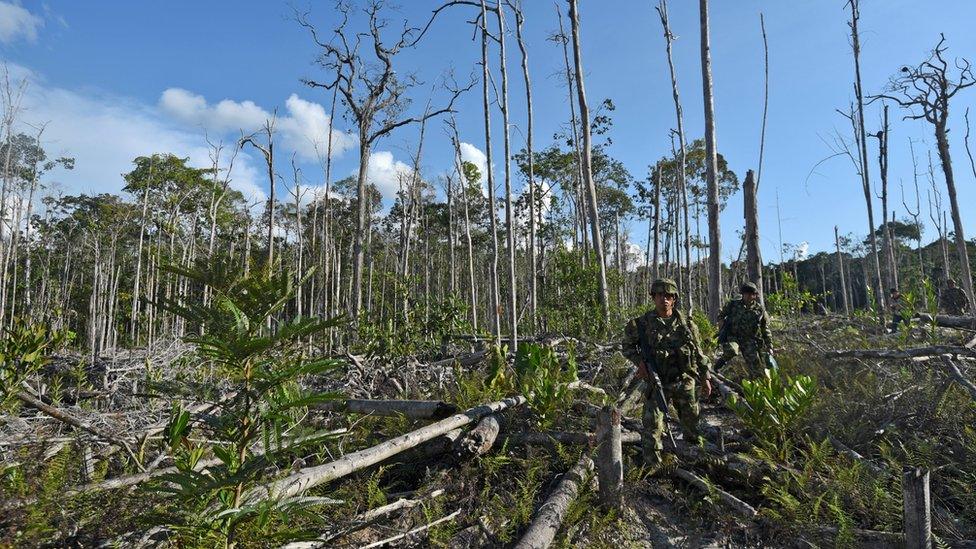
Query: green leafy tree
[[263, 358]]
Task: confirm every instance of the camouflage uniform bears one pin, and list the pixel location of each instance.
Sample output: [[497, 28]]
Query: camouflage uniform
[[953, 300], [745, 331], [679, 361]]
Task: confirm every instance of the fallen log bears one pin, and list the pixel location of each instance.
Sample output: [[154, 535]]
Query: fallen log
[[961, 379], [413, 532], [314, 476], [933, 350], [844, 449], [69, 419], [478, 440], [363, 520], [740, 507], [550, 515], [413, 409], [587, 387], [564, 437], [949, 321]]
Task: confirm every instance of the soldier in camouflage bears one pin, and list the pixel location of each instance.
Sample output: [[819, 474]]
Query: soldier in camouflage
[[678, 360], [744, 330], [952, 300]]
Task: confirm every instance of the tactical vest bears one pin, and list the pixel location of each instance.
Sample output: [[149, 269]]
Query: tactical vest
[[671, 343]]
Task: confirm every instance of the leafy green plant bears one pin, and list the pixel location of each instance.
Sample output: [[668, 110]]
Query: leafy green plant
[[772, 407], [24, 349], [263, 359], [706, 330], [790, 300], [541, 377]]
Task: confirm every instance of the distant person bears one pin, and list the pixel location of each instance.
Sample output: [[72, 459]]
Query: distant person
[[676, 356], [952, 300], [744, 331], [896, 308]]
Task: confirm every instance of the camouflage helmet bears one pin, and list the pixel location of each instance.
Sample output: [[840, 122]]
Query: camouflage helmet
[[664, 286], [749, 288]]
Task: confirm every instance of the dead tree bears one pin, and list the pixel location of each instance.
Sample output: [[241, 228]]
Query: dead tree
[[711, 173], [882, 136], [857, 120], [509, 222], [533, 267], [751, 213], [662, 10], [268, 152], [587, 158], [928, 88], [375, 96]]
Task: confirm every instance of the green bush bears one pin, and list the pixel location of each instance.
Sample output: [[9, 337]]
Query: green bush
[[263, 359], [772, 407]]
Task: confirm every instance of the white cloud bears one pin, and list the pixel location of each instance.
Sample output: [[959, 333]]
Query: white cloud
[[105, 132], [474, 155], [304, 128], [16, 23], [385, 172], [802, 249]]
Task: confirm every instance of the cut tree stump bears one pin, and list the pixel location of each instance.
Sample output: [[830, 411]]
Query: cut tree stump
[[550, 515], [311, 477], [610, 462], [918, 509], [413, 409]]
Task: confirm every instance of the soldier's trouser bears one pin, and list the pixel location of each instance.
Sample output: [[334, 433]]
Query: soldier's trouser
[[681, 395], [750, 351]]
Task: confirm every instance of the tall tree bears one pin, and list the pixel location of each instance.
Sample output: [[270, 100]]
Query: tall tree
[[857, 121], [711, 171], [928, 88], [376, 97], [587, 162], [662, 10]]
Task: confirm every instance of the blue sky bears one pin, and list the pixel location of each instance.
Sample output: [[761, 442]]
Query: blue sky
[[118, 79]]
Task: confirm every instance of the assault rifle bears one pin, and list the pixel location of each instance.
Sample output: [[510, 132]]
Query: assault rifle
[[657, 389]]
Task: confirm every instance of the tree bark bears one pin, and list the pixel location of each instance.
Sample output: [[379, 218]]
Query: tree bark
[[865, 172], [314, 476], [549, 518], [753, 257], [587, 161], [711, 173], [509, 211]]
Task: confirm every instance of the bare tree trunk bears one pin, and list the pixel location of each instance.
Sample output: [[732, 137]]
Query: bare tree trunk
[[495, 290], [890, 264], [533, 264], [509, 221], [865, 172], [753, 257], [941, 137], [467, 225], [711, 173], [657, 222], [577, 147], [685, 282], [587, 163]]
